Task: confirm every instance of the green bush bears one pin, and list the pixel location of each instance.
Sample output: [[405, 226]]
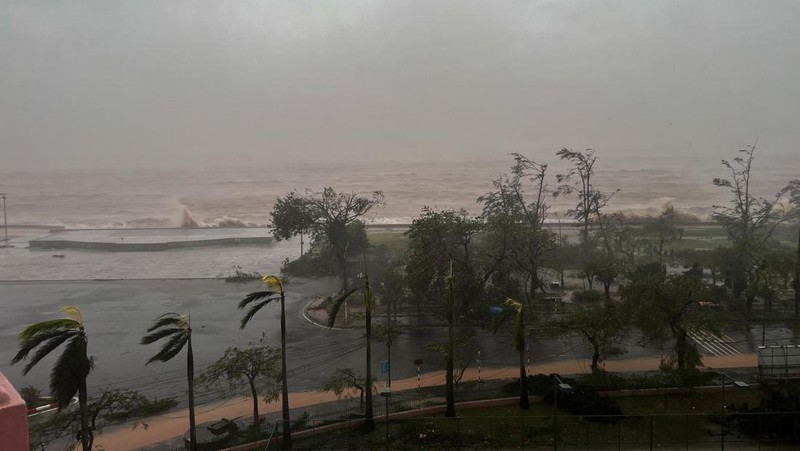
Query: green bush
[[588, 297]]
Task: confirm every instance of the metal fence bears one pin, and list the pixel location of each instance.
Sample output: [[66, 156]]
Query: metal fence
[[564, 432], [779, 362]]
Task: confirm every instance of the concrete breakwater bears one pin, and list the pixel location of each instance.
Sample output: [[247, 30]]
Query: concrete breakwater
[[147, 240]]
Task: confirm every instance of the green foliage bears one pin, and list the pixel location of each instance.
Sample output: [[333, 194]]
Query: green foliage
[[436, 240], [587, 297], [668, 307], [31, 395], [581, 399], [173, 327], [331, 218], [517, 245], [72, 366], [782, 396], [257, 364], [749, 220]]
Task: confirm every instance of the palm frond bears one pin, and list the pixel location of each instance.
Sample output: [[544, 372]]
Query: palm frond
[[171, 348], [253, 310], [158, 335], [170, 319], [258, 295], [497, 324], [48, 347], [336, 304], [273, 282], [73, 312], [70, 370], [53, 324], [29, 344]]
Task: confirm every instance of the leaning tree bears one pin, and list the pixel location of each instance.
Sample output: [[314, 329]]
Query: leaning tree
[[331, 218], [69, 374], [258, 300], [177, 329]]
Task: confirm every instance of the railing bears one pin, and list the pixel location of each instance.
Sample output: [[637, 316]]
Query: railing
[[694, 431]]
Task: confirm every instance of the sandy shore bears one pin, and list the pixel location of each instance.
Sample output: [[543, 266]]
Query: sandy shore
[[174, 424]]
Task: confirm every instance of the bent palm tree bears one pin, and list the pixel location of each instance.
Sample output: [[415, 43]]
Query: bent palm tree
[[257, 301], [518, 310], [179, 331], [73, 365], [336, 304]]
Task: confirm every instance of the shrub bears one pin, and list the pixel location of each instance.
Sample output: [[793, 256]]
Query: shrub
[[588, 297]]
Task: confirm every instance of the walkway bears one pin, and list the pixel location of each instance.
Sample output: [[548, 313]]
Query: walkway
[[171, 425]]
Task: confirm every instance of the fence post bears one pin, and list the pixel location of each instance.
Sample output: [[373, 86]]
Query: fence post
[[651, 432], [686, 432]]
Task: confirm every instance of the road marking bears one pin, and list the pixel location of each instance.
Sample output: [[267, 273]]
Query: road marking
[[722, 345]]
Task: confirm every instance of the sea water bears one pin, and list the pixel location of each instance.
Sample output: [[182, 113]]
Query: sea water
[[643, 186]]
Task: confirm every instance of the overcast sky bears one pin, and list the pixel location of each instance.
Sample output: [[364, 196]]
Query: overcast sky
[[170, 83]]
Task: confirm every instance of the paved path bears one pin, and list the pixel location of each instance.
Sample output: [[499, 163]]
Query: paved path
[[171, 425]]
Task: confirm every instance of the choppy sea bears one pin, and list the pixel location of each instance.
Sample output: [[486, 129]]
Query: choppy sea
[[244, 196]]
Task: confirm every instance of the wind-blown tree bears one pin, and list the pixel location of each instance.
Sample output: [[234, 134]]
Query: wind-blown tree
[[450, 395], [290, 217], [794, 193], [517, 310], [329, 217], [669, 307], [749, 221], [437, 240], [335, 307], [258, 365], [661, 232], [258, 300], [344, 380], [604, 328], [69, 374], [591, 201], [514, 214], [110, 407], [177, 329]]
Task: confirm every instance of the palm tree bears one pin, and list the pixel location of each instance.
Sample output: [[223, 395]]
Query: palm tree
[[257, 301], [336, 304], [518, 310], [178, 329], [450, 393], [72, 367]]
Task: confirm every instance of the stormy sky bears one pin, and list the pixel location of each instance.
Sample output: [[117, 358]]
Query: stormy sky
[[101, 84]]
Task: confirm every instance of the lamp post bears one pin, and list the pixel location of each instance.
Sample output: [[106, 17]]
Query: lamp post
[[5, 221], [738, 384], [560, 385]]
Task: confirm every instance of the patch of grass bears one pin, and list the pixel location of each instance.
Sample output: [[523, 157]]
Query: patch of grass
[[396, 242]]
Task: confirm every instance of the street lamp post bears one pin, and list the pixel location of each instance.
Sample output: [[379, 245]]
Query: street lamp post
[[738, 384], [560, 385]]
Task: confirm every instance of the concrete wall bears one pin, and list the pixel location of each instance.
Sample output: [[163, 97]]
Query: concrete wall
[[13, 418], [144, 247]]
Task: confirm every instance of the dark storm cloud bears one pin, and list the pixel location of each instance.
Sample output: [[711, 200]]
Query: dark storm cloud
[[141, 84]]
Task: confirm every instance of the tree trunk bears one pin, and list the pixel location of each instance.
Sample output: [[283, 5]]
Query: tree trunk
[[190, 376], [524, 402], [254, 394], [450, 394], [286, 443], [595, 351], [369, 422], [84, 406]]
